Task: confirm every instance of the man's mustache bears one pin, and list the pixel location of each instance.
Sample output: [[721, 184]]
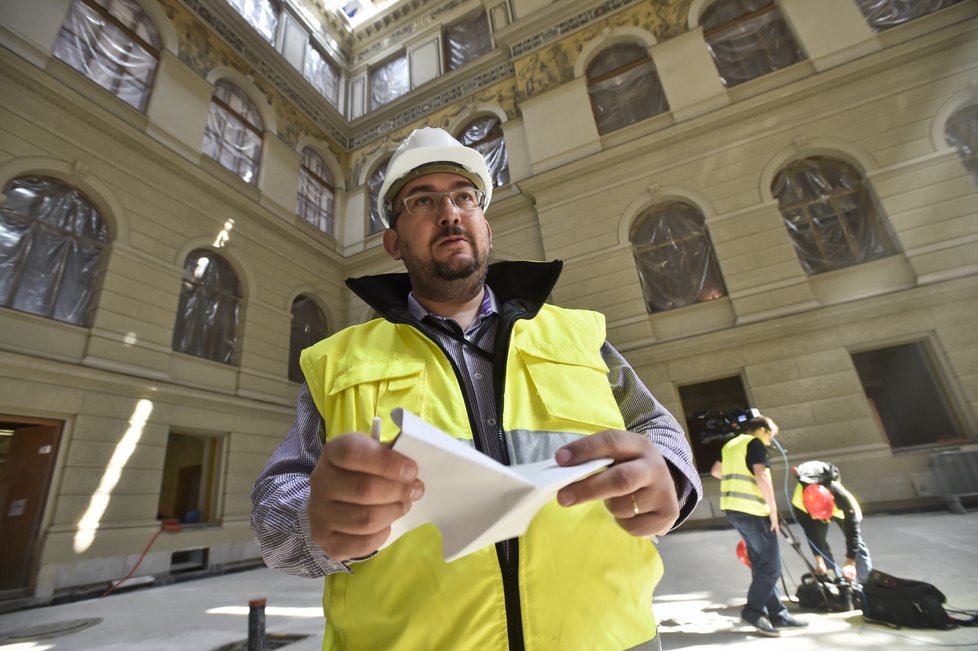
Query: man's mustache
[[453, 231]]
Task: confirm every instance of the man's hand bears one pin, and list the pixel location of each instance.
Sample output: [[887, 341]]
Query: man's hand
[[358, 488], [638, 488], [849, 570]]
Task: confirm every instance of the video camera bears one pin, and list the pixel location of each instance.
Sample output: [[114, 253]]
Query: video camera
[[719, 425]]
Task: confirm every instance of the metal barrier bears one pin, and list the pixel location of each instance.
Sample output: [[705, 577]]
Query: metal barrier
[[956, 475]]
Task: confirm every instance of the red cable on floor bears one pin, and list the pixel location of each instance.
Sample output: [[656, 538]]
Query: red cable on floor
[[170, 526]]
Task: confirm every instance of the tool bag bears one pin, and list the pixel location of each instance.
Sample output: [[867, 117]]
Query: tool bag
[[824, 594], [904, 602]]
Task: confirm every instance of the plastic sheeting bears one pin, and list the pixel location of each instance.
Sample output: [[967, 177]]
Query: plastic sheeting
[[748, 39], [322, 74], [51, 242], [961, 132], [233, 134], [315, 198], [884, 14], [260, 14], [675, 257], [467, 40], [486, 136], [389, 81], [375, 224], [624, 87], [207, 315], [114, 44], [830, 215], [308, 327]]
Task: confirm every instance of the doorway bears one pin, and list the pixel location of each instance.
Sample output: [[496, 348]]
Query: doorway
[[28, 450], [704, 404]]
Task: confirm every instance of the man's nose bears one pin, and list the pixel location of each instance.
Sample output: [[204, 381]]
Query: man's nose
[[448, 212]]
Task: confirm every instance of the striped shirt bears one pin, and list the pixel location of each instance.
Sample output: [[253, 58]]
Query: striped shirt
[[280, 520]]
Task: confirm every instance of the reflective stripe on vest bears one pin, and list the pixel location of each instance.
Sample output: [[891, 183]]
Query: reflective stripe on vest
[[738, 487], [584, 582]]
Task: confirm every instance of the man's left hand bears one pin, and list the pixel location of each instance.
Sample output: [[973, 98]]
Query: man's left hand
[[638, 488]]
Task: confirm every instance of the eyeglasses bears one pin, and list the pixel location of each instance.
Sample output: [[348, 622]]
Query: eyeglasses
[[426, 204]]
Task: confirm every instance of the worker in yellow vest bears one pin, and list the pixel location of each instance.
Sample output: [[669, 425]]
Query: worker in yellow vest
[[473, 349], [820, 498], [747, 499]]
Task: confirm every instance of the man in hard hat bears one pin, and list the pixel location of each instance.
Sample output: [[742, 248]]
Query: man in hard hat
[[473, 349], [820, 497], [747, 499]]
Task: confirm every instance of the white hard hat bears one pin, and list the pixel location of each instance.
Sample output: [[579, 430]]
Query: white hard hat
[[428, 151]]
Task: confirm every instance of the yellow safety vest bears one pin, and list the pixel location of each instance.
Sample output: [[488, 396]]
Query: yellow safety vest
[[798, 500], [584, 583], [738, 487]]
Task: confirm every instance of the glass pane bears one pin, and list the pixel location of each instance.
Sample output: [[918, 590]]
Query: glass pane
[[375, 224], [389, 81], [884, 14], [467, 40], [207, 315], [486, 135], [308, 327], [961, 132], [260, 14]]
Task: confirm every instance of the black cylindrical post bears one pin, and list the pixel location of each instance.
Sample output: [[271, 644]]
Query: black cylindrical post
[[256, 625]]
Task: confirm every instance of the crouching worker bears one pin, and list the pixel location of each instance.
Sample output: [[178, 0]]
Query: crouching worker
[[820, 497]]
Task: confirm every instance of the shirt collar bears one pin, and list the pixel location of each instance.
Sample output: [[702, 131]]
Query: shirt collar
[[488, 307]]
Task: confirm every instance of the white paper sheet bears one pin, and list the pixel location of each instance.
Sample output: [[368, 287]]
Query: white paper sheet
[[474, 500]]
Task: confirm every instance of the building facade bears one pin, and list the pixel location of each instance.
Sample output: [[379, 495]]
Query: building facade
[[774, 203]]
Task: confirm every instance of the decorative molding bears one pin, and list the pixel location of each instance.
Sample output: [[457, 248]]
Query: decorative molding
[[565, 27]]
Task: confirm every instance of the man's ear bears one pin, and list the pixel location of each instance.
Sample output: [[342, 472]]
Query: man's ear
[[391, 244]]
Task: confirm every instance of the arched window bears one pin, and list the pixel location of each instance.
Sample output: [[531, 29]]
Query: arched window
[[675, 257], [961, 132], [315, 202], [260, 14], [51, 242], [308, 327], [375, 224], [884, 14], [467, 39], [389, 81], [624, 87], [748, 39], [113, 43], [207, 317], [831, 215], [486, 135], [234, 131]]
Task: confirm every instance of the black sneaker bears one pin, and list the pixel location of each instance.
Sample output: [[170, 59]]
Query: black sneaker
[[787, 621], [763, 626]]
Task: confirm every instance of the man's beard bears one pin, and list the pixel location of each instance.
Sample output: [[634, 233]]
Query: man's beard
[[454, 279]]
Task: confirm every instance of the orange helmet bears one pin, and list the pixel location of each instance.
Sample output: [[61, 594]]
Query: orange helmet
[[819, 501]]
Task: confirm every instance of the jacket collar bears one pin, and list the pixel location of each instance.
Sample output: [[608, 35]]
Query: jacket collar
[[523, 282]]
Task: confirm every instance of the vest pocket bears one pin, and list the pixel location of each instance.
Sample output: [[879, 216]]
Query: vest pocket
[[569, 383], [371, 388]]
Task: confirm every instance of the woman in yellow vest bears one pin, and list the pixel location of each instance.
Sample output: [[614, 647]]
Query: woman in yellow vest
[[747, 499], [473, 349]]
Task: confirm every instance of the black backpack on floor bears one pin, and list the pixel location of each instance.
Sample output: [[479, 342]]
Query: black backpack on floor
[[823, 594], [904, 602]]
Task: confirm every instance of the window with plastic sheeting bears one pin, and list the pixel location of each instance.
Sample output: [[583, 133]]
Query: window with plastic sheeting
[[961, 132], [207, 316], [485, 134], [233, 135], [624, 87], [308, 327], [748, 39], [315, 201], [322, 74], [884, 14], [375, 224], [467, 40], [260, 14], [675, 257], [389, 81], [831, 215], [51, 244], [113, 43]]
